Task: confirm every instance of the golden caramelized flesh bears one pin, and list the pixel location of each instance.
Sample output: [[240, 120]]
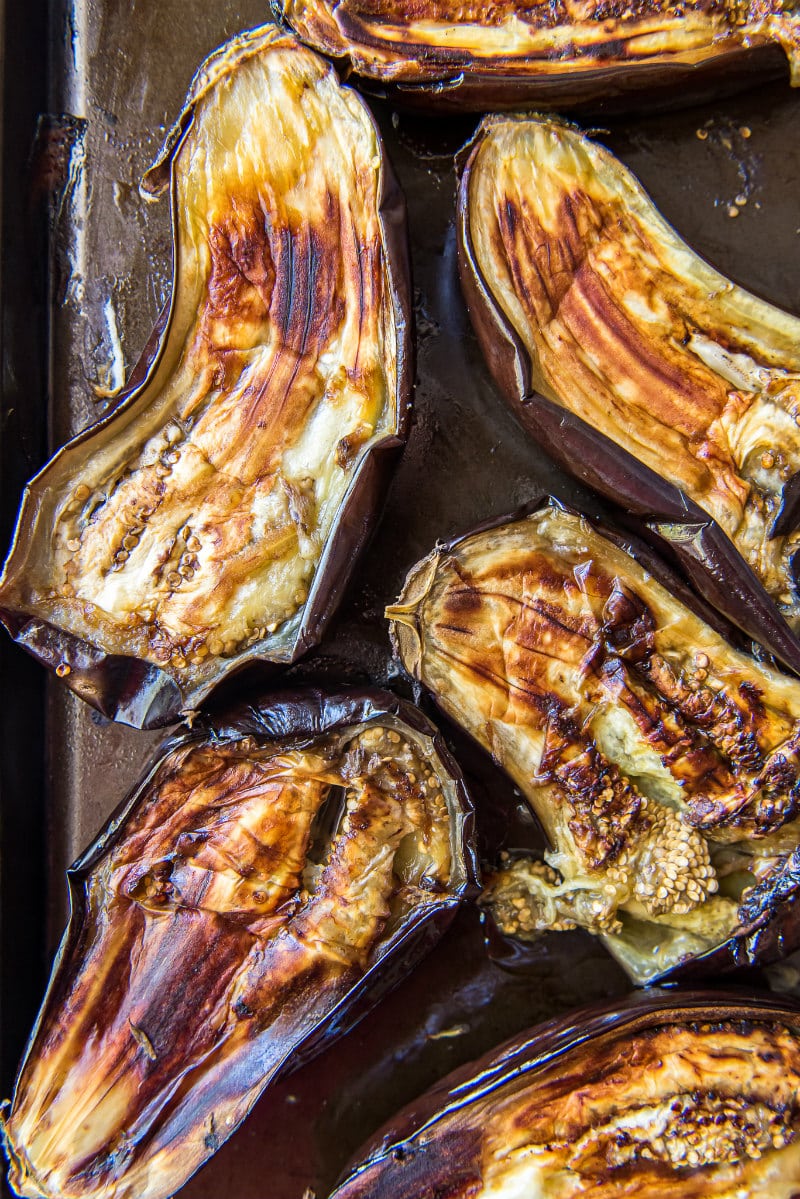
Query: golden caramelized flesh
[[683, 1111], [679, 1111], [662, 764], [413, 41], [245, 895], [627, 328], [188, 531]]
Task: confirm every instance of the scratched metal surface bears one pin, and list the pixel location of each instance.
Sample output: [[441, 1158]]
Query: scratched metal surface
[[728, 176]]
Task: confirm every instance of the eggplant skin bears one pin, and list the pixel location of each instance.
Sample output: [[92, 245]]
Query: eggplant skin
[[482, 57], [663, 1096], [662, 764], [639, 368], [214, 517], [274, 874]]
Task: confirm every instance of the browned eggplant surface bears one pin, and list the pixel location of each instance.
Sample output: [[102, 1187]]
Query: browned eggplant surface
[[478, 56], [606, 331], [692, 1098], [661, 763], [214, 517], [270, 878]]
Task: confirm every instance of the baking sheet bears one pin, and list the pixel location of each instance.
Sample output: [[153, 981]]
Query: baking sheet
[[727, 175]]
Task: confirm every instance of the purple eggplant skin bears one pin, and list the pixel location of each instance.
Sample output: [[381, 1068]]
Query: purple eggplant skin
[[439, 1145], [447, 78], [323, 987], [705, 552], [768, 922], [135, 687]]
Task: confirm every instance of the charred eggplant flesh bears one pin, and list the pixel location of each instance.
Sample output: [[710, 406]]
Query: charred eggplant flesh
[[636, 364], [661, 763], [214, 517], [483, 56], [690, 1096], [271, 877]]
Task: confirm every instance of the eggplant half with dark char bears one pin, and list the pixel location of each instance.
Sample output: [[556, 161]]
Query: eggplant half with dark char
[[639, 368], [663, 765], [476, 56], [667, 1096], [213, 518], [273, 875]]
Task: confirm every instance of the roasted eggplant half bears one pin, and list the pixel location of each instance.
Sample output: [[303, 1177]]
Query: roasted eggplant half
[[638, 366], [214, 517], [665, 1096], [274, 873], [477, 57], [661, 763]]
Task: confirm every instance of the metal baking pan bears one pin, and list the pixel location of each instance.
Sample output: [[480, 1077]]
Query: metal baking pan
[[85, 271]]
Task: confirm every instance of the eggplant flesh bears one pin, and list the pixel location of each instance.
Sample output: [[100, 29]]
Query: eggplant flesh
[[479, 55], [692, 1098], [269, 879], [212, 518], [661, 763], [687, 386]]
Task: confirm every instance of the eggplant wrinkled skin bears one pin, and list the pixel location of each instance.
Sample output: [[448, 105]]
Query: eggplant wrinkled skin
[[482, 57], [214, 517], [638, 367], [663, 765], [273, 875], [664, 1096]]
